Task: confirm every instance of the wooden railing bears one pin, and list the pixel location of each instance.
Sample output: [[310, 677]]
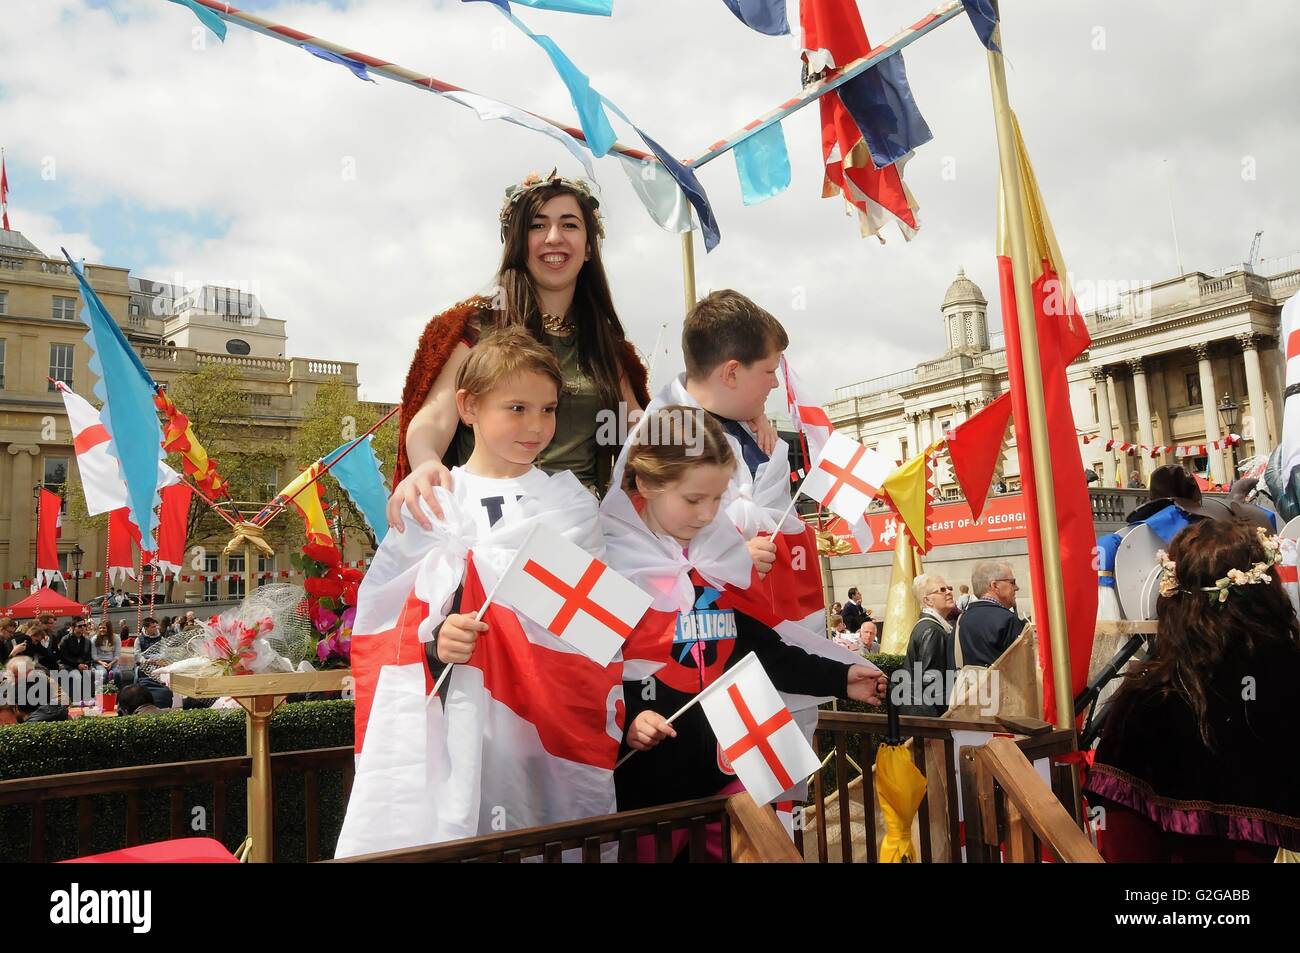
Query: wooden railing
[[84, 789], [587, 840], [1012, 807], [1017, 812], [844, 810]]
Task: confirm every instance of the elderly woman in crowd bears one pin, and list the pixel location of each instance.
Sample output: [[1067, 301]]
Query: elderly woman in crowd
[[929, 649]]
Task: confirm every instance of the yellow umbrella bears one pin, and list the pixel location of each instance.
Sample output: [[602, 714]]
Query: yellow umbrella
[[900, 788]]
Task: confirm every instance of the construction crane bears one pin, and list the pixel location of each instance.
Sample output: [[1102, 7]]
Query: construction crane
[[1253, 256]]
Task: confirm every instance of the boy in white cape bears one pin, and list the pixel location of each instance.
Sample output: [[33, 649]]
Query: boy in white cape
[[527, 730]]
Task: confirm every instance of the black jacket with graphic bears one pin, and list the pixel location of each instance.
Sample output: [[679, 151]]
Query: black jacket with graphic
[[689, 766]]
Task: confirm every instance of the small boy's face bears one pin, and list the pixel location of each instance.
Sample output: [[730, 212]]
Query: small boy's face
[[514, 421], [749, 385]]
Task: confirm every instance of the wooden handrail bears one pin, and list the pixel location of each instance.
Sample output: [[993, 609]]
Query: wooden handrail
[[1032, 808], [554, 838], [757, 837]]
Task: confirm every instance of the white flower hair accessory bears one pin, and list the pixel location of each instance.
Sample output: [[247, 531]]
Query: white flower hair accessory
[[534, 180], [1235, 578]]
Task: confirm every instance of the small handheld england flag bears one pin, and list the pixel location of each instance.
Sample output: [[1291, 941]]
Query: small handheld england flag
[[756, 732], [846, 477], [572, 595]]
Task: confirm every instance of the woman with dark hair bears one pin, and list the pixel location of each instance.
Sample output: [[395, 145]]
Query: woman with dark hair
[[1197, 762], [551, 281]]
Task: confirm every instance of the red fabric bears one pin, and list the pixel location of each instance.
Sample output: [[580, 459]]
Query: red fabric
[[836, 25], [883, 186], [42, 601], [121, 533], [183, 850], [794, 586], [975, 447], [47, 532], [1132, 838], [1061, 338], [175, 523], [564, 695], [399, 645]]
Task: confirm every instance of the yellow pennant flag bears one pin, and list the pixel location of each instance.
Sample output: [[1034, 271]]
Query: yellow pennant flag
[[308, 504], [908, 489]]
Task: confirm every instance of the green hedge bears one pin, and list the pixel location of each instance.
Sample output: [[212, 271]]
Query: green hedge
[[90, 744], [887, 664]]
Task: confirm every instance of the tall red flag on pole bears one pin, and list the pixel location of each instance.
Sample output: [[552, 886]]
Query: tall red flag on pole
[[1062, 336], [4, 193]]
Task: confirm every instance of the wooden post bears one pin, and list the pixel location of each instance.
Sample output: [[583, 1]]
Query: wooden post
[[757, 837], [688, 268]]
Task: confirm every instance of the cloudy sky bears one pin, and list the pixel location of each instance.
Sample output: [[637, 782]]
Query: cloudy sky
[[136, 140]]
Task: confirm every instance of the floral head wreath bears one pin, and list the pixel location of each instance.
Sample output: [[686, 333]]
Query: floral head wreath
[[535, 181], [1218, 593]]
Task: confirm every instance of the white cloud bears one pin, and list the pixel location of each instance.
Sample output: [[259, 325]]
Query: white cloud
[[45, 232], [260, 137]]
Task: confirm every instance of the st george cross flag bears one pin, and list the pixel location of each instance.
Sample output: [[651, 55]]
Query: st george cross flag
[[573, 596], [101, 478], [756, 732], [846, 476]]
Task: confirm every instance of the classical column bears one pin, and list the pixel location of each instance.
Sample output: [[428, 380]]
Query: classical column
[[1138, 369], [1209, 410], [1255, 391], [913, 432], [21, 510], [1104, 431]]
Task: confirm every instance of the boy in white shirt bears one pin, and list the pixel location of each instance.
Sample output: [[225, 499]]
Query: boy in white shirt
[[528, 728]]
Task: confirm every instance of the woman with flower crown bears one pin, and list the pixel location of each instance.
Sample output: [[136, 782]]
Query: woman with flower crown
[[1197, 762], [551, 280]]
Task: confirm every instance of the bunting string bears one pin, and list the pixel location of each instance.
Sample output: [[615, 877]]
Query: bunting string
[[1179, 451]]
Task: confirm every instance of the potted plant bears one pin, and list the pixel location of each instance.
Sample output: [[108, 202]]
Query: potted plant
[[108, 698]]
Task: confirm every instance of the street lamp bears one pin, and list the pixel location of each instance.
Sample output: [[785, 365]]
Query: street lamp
[[75, 556], [1228, 410]]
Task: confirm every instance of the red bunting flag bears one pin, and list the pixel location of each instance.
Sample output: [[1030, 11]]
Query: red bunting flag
[[975, 446]]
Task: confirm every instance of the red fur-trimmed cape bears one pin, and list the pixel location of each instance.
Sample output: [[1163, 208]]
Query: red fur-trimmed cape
[[441, 335]]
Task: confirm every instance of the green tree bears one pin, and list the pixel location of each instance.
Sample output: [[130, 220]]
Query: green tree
[[245, 452], [332, 418]]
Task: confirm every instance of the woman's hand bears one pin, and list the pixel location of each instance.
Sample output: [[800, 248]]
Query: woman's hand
[[648, 730], [418, 485], [457, 638], [763, 551], [867, 684], [764, 433]]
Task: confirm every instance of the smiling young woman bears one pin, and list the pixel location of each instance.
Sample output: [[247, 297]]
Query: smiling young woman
[[551, 281]]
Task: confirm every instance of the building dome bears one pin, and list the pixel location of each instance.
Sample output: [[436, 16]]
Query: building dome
[[963, 291]]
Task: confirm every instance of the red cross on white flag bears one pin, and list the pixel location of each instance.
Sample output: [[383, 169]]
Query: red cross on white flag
[[574, 596], [846, 477], [756, 731]]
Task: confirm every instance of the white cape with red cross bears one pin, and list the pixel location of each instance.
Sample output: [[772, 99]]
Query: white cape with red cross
[[530, 728], [751, 505]]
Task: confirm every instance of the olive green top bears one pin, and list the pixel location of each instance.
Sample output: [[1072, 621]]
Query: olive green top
[[576, 425]]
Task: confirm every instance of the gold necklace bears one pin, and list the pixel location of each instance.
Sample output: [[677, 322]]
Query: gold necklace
[[557, 324]]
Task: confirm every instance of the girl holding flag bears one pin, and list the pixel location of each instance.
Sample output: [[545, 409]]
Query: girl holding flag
[[665, 531]]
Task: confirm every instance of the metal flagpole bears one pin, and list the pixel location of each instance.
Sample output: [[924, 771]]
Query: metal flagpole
[[1033, 376]]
